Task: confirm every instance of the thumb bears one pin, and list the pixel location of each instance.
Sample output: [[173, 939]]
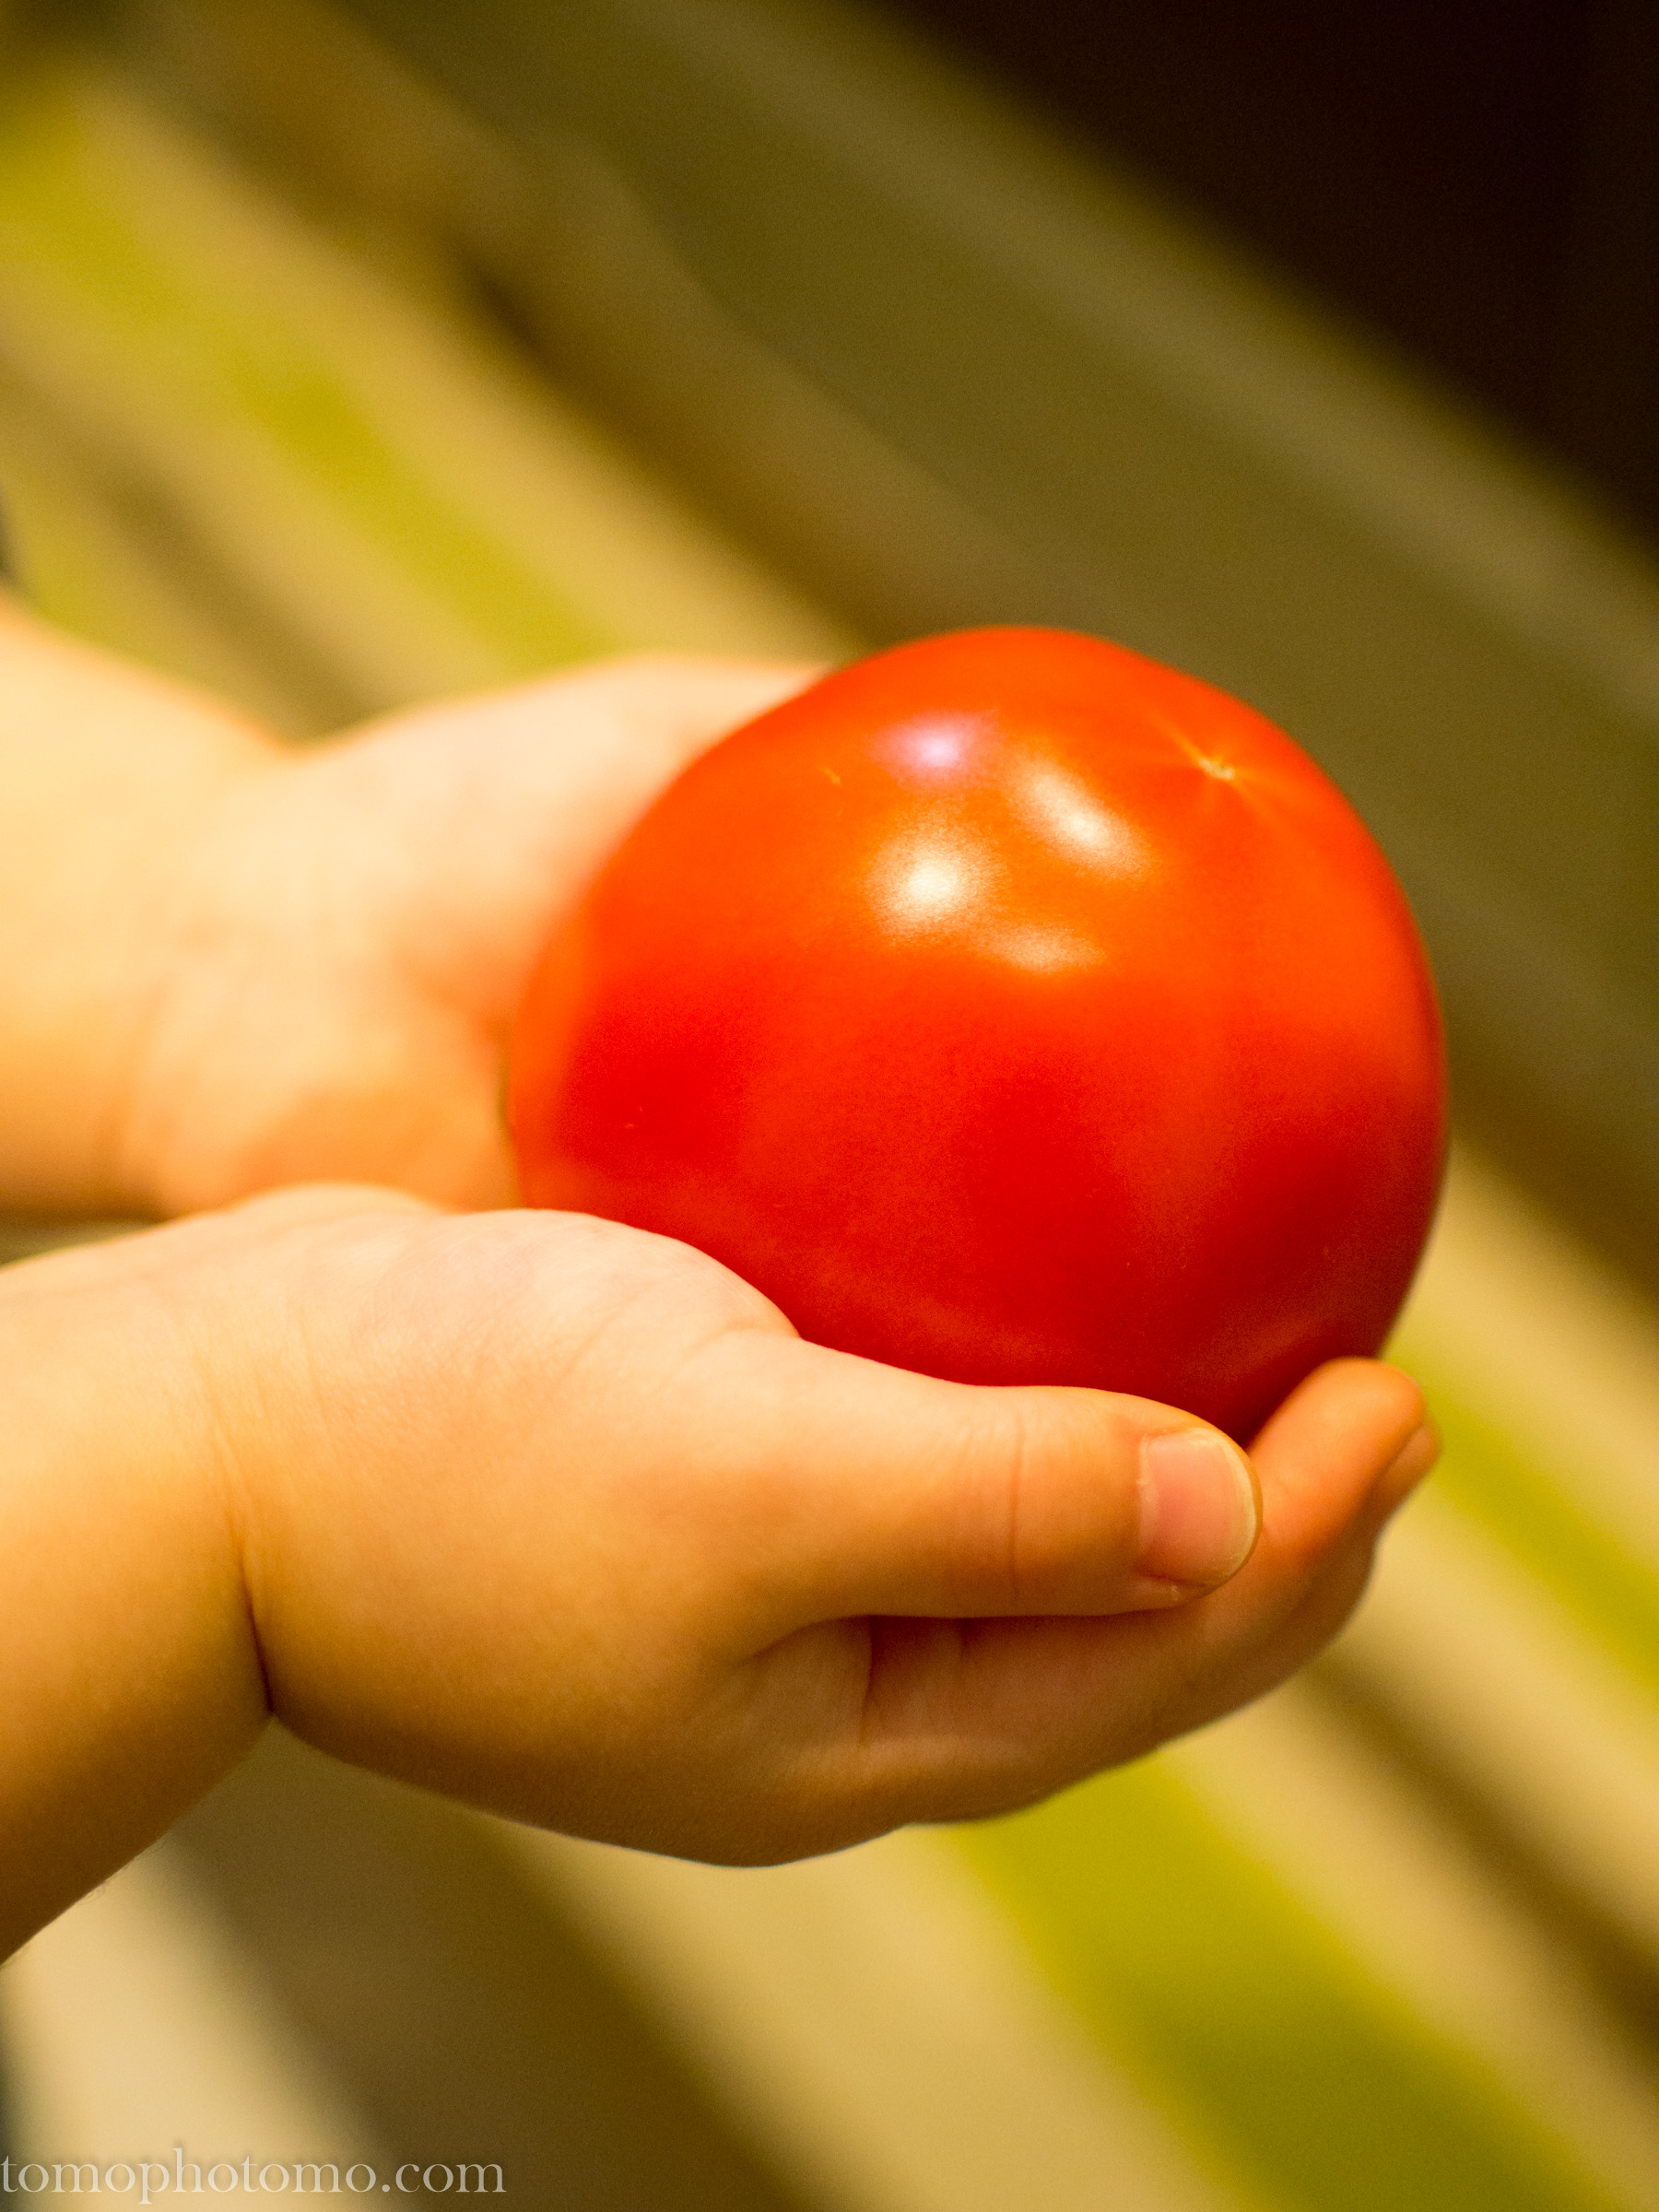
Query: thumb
[[876, 1490]]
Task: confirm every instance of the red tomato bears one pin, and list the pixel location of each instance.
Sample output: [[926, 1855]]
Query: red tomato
[[1012, 1009]]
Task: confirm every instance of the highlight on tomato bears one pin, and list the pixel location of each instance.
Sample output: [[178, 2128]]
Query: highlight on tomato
[[1013, 1008]]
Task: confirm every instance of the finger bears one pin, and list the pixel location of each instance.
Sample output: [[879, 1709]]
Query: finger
[[1337, 1434], [688, 701], [1417, 1457], [1329, 1462], [652, 712], [954, 1717], [485, 817], [962, 1719], [881, 1491], [994, 1714]]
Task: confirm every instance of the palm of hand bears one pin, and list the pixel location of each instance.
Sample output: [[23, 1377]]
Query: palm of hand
[[340, 948], [578, 1529]]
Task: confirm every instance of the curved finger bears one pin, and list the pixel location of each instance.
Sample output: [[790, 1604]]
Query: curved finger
[[968, 1717], [962, 1720], [1320, 1453]]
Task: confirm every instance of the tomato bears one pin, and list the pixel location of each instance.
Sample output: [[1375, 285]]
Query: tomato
[[1009, 1007]]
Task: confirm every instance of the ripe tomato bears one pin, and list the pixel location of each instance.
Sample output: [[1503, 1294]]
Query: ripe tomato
[[1009, 1007]]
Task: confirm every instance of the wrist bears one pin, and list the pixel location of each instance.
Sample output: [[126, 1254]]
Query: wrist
[[106, 774], [133, 1677]]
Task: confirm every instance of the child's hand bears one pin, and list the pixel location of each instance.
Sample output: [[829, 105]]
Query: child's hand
[[563, 1518], [344, 937], [225, 965]]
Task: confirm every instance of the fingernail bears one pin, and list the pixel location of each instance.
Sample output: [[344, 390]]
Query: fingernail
[[1199, 1514]]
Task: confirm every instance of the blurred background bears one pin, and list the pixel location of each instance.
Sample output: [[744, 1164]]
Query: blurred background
[[351, 353]]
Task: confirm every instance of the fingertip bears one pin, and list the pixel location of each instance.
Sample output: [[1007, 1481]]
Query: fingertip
[[1368, 1399], [1412, 1445], [1325, 1456], [1415, 1459], [1409, 1390], [703, 684]]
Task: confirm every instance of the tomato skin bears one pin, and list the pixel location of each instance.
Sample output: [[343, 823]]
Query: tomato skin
[[1012, 1009]]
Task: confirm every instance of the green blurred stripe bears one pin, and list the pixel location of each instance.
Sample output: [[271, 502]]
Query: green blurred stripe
[[1301, 2075], [204, 334], [1487, 1473]]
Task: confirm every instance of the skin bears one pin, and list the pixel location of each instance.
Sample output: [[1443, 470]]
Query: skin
[[229, 966], [552, 1514]]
